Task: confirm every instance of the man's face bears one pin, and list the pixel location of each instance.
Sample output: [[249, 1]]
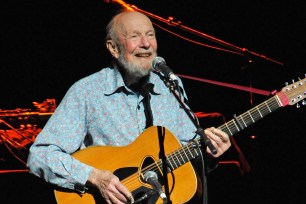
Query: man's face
[[138, 43]]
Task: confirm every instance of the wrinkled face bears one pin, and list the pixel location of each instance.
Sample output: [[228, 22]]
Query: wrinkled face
[[137, 42]]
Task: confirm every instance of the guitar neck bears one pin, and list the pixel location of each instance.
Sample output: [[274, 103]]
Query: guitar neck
[[192, 150]]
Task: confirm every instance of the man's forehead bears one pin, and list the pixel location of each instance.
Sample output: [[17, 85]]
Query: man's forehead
[[133, 24]]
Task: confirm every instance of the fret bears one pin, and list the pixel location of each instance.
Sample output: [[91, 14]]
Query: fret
[[180, 154], [168, 162], [236, 126], [186, 156], [251, 116], [259, 112], [256, 113], [264, 109], [278, 101], [160, 165], [242, 121], [177, 159], [172, 157], [192, 155], [230, 129], [268, 107], [196, 149]]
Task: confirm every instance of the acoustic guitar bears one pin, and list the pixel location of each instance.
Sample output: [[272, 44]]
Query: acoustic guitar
[[131, 162]]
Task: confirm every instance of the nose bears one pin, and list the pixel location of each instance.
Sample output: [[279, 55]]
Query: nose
[[145, 41]]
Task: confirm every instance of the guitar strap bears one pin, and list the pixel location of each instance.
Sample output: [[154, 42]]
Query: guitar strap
[[145, 92]]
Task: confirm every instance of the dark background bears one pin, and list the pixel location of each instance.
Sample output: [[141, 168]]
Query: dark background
[[48, 45]]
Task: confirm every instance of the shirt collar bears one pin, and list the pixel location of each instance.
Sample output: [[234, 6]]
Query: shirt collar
[[119, 85]]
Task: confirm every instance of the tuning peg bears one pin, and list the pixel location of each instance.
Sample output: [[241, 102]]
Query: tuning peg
[[300, 81], [287, 86], [303, 102]]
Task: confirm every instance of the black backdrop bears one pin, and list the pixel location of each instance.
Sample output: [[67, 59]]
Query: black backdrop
[[48, 45]]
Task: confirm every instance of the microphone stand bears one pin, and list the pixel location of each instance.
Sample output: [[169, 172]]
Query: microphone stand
[[205, 141]]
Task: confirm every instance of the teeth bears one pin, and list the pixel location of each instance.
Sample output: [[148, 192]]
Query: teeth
[[143, 55]]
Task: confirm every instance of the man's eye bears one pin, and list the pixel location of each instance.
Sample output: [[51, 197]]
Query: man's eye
[[134, 36]]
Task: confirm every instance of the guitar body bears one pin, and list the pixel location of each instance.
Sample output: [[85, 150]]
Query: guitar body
[[127, 163]]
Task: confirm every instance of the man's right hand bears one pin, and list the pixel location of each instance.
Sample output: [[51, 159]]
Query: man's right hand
[[110, 187]]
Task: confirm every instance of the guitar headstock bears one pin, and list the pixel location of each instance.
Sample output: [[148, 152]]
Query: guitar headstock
[[293, 93]]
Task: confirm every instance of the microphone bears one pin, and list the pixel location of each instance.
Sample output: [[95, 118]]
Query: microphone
[[151, 178], [159, 65]]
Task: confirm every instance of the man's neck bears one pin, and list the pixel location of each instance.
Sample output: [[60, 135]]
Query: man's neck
[[137, 86], [131, 80]]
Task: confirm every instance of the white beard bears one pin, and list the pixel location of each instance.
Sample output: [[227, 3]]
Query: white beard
[[132, 72]]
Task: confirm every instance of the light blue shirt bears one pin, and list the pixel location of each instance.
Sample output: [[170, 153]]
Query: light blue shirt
[[100, 110]]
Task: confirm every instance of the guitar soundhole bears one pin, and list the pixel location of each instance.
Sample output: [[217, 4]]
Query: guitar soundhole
[[149, 165]]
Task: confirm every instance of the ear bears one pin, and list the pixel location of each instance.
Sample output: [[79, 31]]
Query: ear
[[111, 46]]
